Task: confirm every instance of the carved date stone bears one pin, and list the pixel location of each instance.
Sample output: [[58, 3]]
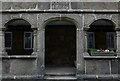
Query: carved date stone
[[60, 5]]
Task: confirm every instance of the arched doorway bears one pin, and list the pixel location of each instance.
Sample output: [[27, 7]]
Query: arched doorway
[[60, 44]]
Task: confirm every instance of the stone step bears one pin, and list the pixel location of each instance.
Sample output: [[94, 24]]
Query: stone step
[[60, 74], [60, 77]]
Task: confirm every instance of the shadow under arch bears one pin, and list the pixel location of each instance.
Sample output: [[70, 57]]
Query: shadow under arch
[[18, 31], [17, 23], [102, 22]]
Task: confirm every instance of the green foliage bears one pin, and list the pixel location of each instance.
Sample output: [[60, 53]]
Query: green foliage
[[92, 49]]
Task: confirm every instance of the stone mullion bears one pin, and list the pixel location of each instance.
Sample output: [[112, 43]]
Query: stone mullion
[[35, 42], [118, 42]]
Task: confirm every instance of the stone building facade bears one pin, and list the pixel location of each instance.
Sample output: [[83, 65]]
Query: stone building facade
[[60, 41]]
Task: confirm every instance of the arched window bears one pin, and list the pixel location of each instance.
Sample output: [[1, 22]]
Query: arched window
[[101, 36], [18, 37]]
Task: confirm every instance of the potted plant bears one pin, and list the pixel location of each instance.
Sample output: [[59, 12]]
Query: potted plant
[[101, 52]]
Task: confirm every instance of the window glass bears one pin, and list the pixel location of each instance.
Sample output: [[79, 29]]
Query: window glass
[[110, 39], [28, 40], [90, 40]]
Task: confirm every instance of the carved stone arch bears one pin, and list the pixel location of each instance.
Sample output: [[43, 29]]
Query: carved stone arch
[[114, 19], [103, 16], [115, 23], [88, 26], [61, 19], [90, 18]]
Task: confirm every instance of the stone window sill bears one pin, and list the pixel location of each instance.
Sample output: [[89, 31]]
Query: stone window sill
[[87, 56], [19, 57]]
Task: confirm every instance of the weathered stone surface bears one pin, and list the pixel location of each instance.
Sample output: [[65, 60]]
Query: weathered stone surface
[[60, 5], [95, 5], [22, 67], [114, 67], [5, 66], [80, 60], [89, 19], [115, 20], [14, 16], [76, 5], [24, 5], [6, 5], [103, 16], [5, 19], [97, 67], [43, 5], [31, 18]]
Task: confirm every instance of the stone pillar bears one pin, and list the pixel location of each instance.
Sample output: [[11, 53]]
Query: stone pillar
[[41, 53], [85, 35], [2, 42], [118, 42], [34, 42], [80, 51]]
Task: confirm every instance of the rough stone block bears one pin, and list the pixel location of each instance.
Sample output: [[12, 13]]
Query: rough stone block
[[97, 67], [5, 18], [24, 5], [5, 67], [31, 18], [76, 5], [6, 5], [15, 16], [60, 5], [114, 67], [95, 5], [88, 19], [115, 19], [22, 67], [43, 5]]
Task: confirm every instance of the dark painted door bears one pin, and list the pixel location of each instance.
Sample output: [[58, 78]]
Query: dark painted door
[[60, 45]]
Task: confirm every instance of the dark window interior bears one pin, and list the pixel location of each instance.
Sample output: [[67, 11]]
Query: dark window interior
[[8, 40], [18, 27], [101, 29]]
